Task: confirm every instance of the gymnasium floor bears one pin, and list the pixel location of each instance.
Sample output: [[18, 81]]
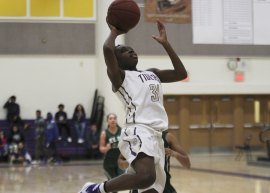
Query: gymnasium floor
[[210, 173]]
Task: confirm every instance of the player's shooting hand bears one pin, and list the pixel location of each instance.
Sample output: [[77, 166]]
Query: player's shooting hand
[[114, 29], [162, 38]]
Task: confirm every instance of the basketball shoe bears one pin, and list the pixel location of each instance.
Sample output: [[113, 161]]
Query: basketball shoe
[[90, 187]]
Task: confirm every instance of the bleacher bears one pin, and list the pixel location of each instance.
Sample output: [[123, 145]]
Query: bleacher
[[66, 150]]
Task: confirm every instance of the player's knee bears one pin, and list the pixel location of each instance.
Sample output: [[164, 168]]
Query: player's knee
[[146, 180]]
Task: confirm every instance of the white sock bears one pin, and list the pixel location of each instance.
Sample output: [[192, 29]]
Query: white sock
[[101, 188]]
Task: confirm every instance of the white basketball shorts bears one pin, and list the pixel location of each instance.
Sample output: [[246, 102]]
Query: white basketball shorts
[[140, 138]]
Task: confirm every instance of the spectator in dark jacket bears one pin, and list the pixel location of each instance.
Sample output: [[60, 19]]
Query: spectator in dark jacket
[[13, 109], [13, 113], [78, 120], [62, 123]]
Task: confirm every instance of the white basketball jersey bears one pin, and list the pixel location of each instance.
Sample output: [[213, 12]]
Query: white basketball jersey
[[142, 96]]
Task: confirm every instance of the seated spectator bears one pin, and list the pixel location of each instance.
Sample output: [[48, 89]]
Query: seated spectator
[[20, 123], [51, 136], [94, 142], [3, 146], [62, 123], [15, 137], [78, 120], [20, 155]]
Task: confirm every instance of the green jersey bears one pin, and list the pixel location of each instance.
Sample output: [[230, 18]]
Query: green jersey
[[111, 157]]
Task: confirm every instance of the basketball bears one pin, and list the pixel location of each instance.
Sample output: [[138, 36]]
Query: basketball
[[123, 14]]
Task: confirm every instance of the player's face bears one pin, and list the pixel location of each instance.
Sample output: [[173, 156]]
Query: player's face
[[126, 57], [112, 120]]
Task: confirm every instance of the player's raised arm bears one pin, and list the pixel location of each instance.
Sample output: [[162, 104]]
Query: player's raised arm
[[115, 74], [179, 72]]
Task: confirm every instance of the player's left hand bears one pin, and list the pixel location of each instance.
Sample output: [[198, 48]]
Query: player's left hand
[[162, 38]]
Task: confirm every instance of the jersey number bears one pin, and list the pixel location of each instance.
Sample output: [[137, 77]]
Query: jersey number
[[155, 92]]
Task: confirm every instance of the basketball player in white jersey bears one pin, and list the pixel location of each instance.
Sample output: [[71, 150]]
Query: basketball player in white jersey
[[141, 93]]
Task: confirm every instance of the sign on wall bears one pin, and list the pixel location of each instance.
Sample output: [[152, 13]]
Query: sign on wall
[[237, 22], [173, 11]]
